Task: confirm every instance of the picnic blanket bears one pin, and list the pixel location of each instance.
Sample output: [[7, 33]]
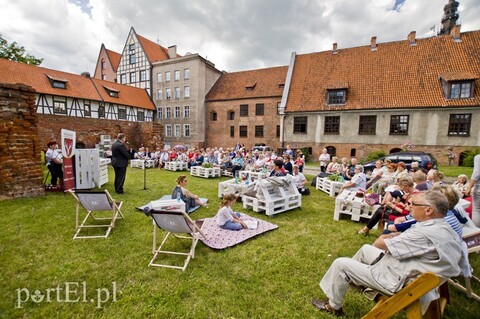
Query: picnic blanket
[[218, 238], [166, 197]]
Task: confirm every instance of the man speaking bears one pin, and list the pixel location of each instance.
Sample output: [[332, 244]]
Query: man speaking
[[120, 157]]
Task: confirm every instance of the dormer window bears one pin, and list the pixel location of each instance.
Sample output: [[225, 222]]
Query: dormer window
[[458, 85], [111, 91], [57, 82], [250, 87], [337, 96]]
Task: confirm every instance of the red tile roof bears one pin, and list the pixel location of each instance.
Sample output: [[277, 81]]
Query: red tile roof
[[153, 51], [77, 86], [395, 75], [265, 83], [114, 58]]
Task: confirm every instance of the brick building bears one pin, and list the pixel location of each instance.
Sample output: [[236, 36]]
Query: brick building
[[107, 64], [242, 107], [379, 96]]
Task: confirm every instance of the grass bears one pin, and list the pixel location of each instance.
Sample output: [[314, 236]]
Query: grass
[[274, 275]]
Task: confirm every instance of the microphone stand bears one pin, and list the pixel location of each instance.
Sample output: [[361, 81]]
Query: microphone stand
[[144, 174]]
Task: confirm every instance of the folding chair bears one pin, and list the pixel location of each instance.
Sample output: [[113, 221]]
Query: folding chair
[[95, 202], [171, 217], [409, 299]]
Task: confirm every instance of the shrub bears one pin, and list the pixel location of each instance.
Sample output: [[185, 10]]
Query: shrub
[[374, 156], [470, 154]]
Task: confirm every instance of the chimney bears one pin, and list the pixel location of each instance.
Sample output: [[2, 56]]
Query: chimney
[[373, 44], [334, 49], [456, 33], [172, 51], [412, 38], [85, 74]]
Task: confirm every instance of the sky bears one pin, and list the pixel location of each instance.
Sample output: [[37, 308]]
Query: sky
[[235, 35]]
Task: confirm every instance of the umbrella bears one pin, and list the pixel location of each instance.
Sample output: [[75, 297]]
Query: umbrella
[[179, 147]]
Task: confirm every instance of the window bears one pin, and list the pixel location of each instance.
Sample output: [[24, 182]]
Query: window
[[368, 124], [176, 75], [104, 77], [60, 105], [123, 78], [258, 130], [336, 96], [278, 130], [167, 76], [243, 131], [177, 93], [87, 109], [140, 116], [132, 58], [101, 111], [461, 90], [168, 112], [213, 116], [231, 115], [459, 124], [244, 110], [300, 125], [186, 91], [332, 125], [186, 130], [59, 84], [178, 131], [122, 113], [399, 125], [259, 109], [168, 130], [232, 131], [186, 111], [353, 152], [131, 47], [159, 77], [143, 75], [186, 74], [104, 65], [168, 93], [159, 94], [160, 113], [133, 77], [177, 112]]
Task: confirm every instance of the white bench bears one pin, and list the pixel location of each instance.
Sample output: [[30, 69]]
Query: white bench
[[140, 163], [273, 199], [330, 187], [347, 203], [176, 166], [254, 176], [205, 172], [235, 187]]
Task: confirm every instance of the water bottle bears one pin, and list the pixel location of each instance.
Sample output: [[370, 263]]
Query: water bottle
[[179, 196]]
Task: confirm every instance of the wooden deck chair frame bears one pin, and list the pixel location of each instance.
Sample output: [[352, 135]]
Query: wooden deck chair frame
[[409, 299], [473, 243], [92, 202], [181, 226]]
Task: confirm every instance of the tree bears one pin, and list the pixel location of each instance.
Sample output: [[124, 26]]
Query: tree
[[15, 53]]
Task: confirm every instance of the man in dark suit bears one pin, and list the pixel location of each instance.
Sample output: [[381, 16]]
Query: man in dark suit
[[120, 157]]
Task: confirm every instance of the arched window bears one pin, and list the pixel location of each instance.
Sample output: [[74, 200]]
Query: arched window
[[213, 116], [332, 151], [231, 115], [353, 152], [395, 150]]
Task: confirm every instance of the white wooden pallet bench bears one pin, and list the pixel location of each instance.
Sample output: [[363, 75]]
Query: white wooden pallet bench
[[200, 171], [226, 172], [272, 198], [140, 163], [90, 169], [252, 175], [330, 187], [235, 187], [176, 166], [347, 203]]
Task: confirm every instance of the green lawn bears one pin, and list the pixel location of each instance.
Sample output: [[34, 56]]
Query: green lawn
[[274, 275]]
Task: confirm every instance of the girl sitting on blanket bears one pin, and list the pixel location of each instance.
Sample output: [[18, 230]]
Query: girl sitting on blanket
[[191, 200], [226, 218]]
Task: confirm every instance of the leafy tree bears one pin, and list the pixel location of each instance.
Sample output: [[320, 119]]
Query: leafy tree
[[15, 53]]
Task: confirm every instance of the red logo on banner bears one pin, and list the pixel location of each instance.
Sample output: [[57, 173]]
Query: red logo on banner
[[68, 142]]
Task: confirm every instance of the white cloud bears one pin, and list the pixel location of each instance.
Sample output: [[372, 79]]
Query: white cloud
[[234, 34]]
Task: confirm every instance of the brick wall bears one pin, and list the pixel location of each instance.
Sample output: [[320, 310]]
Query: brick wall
[[88, 130], [20, 147]]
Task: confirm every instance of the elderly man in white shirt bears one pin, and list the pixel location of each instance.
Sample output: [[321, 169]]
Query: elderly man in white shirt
[[358, 181]]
